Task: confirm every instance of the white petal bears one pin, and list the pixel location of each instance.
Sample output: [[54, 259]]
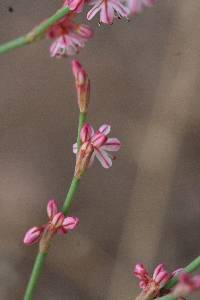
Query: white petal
[[75, 148], [93, 11], [103, 157], [112, 144], [105, 129]]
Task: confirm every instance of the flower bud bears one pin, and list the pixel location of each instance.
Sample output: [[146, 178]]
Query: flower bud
[[83, 159], [82, 85], [32, 235], [75, 5], [69, 223], [52, 208], [161, 276]]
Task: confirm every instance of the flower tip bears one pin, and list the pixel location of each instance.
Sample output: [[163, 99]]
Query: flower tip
[[76, 67], [52, 208]]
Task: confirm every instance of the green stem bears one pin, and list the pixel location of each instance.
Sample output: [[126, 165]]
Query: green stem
[[70, 195], [40, 258], [34, 278], [193, 266], [75, 181], [82, 119], [36, 33]]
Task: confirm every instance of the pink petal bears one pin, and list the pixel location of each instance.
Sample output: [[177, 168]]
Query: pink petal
[[105, 129], [58, 220], [160, 275], [107, 13], [140, 271], [75, 5], [86, 132], [93, 11], [121, 10], [85, 31], [157, 270], [98, 139], [33, 235], [196, 282], [76, 67], [52, 209], [112, 144], [103, 157], [70, 223]]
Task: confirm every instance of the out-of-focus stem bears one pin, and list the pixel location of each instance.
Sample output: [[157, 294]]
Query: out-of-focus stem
[[36, 33], [193, 266]]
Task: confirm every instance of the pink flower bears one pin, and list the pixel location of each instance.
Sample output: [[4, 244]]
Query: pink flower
[[96, 144], [136, 6], [57, 223], [75, 5], [159, 279], [68, 37], [186, 285], [109, 9], [82, 85]]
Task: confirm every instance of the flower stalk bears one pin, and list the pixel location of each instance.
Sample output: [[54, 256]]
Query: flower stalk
[[36, 33], [43, 249]]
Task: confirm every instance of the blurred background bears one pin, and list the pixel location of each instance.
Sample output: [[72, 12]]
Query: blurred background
[[146, 208]]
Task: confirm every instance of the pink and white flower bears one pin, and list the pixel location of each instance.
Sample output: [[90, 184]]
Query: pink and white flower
[[98, 144], [68, 37], [57, 223], [158, 280], [108, 9], [136, 6]]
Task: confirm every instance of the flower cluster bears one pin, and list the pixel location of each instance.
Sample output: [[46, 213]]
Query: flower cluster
[[68, 36], [109, 9], [95, 144], [57, 223], [154, 286], [158, 280]]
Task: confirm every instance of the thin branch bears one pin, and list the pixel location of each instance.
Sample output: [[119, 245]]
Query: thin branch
[[35, 34]]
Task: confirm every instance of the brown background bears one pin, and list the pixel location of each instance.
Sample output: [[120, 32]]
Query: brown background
[[145, 83]]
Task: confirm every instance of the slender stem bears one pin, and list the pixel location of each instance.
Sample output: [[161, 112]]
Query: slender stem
[[34, 278], [36, 33], [75, 181], [70, 195], [40, 258], [193, 266]]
